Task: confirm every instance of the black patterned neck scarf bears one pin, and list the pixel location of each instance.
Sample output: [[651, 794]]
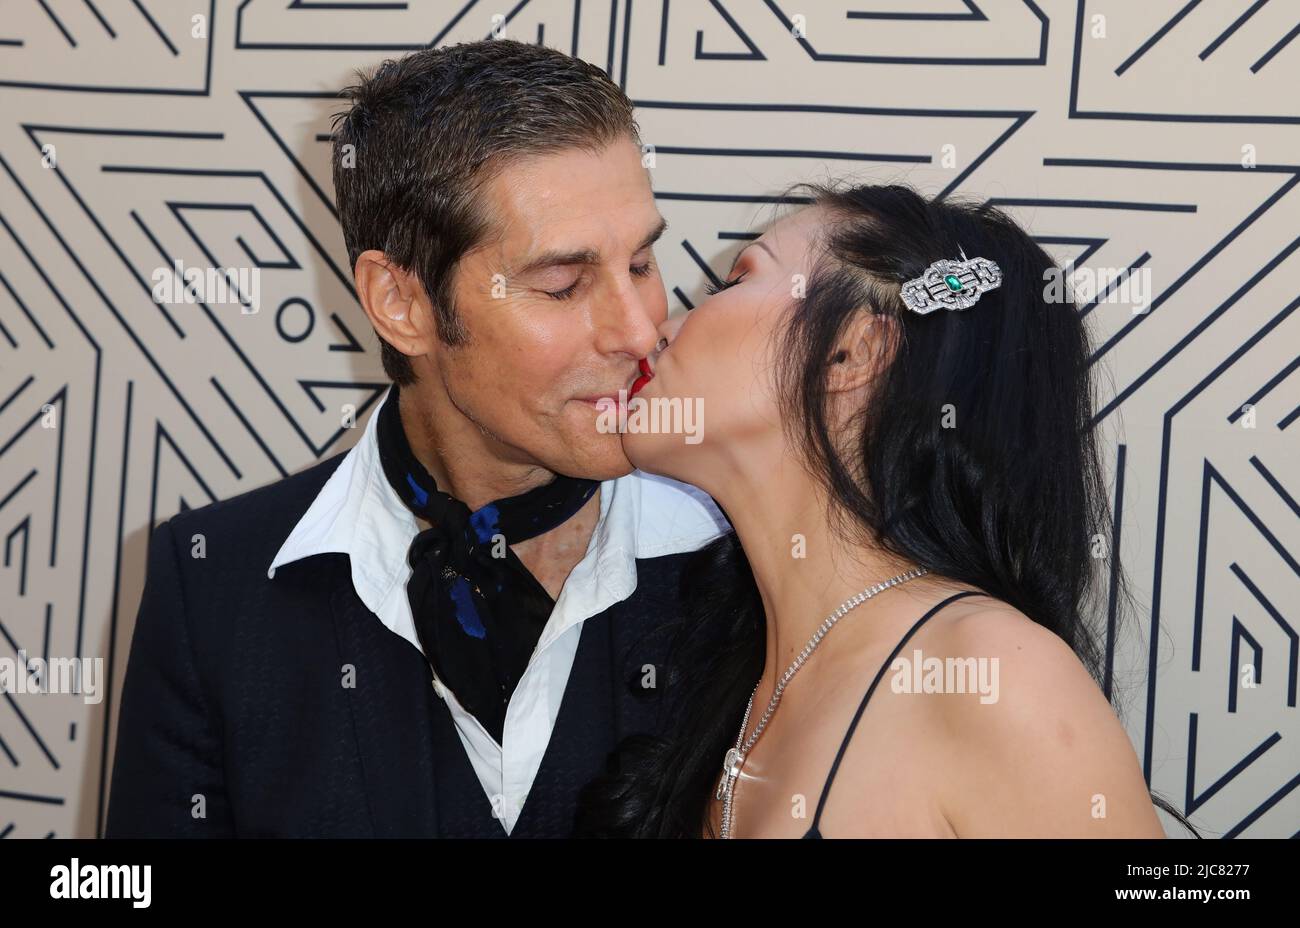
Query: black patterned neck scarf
[[478, 616]]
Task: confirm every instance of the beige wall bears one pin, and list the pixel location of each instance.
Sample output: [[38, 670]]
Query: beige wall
[[1117, 152]]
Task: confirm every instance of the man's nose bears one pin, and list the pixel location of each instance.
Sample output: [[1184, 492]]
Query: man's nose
[[629, 323]]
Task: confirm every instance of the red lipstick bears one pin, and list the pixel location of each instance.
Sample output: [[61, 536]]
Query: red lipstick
[[646, 376]]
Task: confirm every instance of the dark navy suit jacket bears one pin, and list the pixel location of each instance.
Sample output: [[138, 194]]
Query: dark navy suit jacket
[[235, 720]]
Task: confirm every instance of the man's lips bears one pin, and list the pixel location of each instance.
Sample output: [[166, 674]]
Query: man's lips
[[645, 377]]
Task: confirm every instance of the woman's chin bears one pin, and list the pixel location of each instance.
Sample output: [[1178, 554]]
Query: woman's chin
[[641, 449], [663, 454], [654, 453]]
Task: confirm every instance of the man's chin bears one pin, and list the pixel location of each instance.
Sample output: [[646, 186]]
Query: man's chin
[[603, 459]]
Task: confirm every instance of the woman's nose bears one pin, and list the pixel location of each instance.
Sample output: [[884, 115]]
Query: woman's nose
[[668, 330]]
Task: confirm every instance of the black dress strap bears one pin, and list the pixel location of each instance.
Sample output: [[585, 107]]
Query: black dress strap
[[815, 830]]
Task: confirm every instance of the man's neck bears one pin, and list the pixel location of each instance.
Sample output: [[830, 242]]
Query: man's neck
[[551, 557], [464, 461]]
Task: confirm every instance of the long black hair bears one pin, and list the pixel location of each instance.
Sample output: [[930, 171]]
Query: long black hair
[[976, 457]]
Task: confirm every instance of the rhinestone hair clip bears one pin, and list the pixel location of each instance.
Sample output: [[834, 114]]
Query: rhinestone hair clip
[[948, 284]]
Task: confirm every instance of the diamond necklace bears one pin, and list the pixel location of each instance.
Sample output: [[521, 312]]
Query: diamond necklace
[[736, 756]]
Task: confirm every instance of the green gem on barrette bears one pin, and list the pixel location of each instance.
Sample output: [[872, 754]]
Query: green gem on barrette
[[954, 284]]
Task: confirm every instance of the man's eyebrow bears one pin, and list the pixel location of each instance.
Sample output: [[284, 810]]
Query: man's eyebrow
[[654, 235], [584, 256], [760, 243]]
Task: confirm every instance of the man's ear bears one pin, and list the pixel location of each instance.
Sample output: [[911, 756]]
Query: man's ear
[[859, 352], [394, 301]]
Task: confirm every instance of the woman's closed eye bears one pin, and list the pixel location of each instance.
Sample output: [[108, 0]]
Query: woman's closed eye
[[715, 289]]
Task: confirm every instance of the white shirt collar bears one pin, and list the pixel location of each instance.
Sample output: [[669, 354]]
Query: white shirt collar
[[357, 513]]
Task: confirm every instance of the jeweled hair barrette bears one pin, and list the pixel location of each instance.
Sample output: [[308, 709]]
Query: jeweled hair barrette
[[949, 284]]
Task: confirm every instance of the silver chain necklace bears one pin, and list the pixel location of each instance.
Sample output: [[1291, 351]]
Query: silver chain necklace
[[736, 756]]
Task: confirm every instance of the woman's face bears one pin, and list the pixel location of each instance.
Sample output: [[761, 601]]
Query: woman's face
[[717, 370]]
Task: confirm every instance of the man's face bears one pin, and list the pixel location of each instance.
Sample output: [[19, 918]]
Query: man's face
[[559, 304]]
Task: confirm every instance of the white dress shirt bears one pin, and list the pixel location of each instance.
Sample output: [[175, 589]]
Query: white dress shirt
[[357, 513]]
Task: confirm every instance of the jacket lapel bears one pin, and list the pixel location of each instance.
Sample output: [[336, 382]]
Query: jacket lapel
[[392, 706]]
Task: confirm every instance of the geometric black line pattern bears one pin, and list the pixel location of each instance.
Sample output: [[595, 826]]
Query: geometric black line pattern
[[1155, 146]]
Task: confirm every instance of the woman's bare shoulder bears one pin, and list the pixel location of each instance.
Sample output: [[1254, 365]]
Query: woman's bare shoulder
[[1040, 751]]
